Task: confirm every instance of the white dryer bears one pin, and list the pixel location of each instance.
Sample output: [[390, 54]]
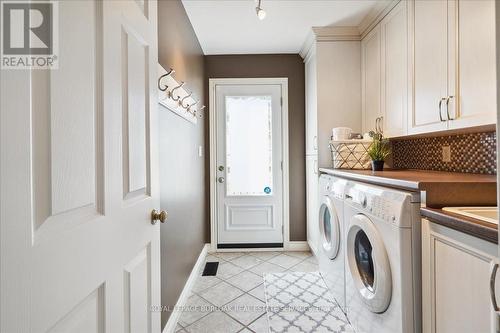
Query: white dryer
[[331, 229], [383, 259]]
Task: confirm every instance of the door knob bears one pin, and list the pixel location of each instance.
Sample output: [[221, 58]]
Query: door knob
[[221, 180], [158, 216]]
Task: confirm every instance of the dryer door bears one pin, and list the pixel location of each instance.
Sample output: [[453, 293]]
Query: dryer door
[[329, 227], [368, 263]]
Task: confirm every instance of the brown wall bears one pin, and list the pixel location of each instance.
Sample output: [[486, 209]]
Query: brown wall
[[276, 65], [182, 171]]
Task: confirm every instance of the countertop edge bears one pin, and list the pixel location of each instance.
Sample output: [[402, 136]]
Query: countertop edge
[[468, 226], [377, 180]]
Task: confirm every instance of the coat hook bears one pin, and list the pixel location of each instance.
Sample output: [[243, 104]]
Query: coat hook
[[190, 106], [170, 72], [171, 94], [181, 102]]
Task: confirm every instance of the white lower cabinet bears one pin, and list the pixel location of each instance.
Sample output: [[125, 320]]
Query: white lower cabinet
[[455, 281], [312, 193]]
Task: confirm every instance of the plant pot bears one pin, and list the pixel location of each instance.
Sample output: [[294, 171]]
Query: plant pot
[[377, 165]]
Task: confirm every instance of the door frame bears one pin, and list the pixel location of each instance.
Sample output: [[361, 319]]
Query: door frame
[[212, 123]]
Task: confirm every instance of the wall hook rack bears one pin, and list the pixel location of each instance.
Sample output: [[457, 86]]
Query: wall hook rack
[[174, 97]]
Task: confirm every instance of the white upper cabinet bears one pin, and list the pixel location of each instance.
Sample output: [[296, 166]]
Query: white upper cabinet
[[371, 79], [394, 56], [428, 30], [453, 64], [384, 63], [476, 102]]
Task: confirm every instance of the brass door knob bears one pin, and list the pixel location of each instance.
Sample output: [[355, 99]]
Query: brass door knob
[[158, 216]]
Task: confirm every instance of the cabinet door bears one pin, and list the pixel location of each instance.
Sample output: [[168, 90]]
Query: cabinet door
[[428, 33], [476, 102], [311, 106], [312, 189], [455, 286], [371, 63], [394, 71]]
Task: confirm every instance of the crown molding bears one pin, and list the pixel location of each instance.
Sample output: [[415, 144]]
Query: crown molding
[[381, 9], [347, 33], [307, 48], [327, 34]]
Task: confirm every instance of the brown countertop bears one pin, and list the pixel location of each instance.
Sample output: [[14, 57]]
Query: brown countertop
[[441, 188], [468, 225]]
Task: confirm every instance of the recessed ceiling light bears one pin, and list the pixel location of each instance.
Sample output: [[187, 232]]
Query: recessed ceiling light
[[261, 14]]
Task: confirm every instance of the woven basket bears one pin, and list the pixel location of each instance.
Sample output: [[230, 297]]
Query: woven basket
[[351, 154]]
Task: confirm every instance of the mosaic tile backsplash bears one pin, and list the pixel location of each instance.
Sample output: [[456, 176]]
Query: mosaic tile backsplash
[[470, 153]]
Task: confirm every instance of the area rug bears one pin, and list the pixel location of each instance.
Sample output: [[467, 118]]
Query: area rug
[[301, 302]]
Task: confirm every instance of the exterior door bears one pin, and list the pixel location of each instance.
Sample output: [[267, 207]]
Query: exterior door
[[249, 164], [79, 177]]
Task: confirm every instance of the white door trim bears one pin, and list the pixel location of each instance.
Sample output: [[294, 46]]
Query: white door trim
[[212, 83]]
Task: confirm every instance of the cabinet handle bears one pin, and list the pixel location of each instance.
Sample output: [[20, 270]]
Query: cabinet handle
[[380, 124], [315, 142], [439, 107], [448, 108], [315, 166], [493, 277], [376, 124]]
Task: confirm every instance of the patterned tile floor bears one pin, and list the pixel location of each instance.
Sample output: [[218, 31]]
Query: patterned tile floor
[[233, 300]]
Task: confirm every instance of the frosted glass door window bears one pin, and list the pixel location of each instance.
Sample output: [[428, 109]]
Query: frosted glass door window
[[249, 146]]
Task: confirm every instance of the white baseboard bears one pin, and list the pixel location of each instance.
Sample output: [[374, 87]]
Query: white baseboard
[[297, 246], [186, 291]]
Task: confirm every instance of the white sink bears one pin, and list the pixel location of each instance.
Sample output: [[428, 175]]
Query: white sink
[[487, 214]]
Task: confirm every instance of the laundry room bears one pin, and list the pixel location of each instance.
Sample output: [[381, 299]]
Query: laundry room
[[249, 166]]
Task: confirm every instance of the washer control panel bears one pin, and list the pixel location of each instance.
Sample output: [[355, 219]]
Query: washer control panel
[[389, 205]]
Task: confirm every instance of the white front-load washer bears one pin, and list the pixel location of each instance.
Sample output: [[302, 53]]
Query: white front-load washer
[[383, 259], [331, 230]]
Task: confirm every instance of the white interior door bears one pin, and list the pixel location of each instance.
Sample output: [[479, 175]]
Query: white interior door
[[79, 178], [249, 164]]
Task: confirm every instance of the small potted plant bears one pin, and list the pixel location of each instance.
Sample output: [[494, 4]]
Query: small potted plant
[[378, 151]]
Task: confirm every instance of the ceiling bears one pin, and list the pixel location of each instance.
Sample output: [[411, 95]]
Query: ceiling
[[232, 26]]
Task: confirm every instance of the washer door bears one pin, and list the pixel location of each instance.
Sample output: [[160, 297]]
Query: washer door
[[329, 227], [369, 264]]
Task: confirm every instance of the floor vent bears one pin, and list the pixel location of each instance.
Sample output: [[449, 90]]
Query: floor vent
[[210, 269]]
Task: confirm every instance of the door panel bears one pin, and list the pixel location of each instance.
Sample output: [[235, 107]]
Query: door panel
[[371, 62], [429, 52], [312, 204], [477, 100], [394, 71], [311, 106], [73, 254], [249, 155]]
